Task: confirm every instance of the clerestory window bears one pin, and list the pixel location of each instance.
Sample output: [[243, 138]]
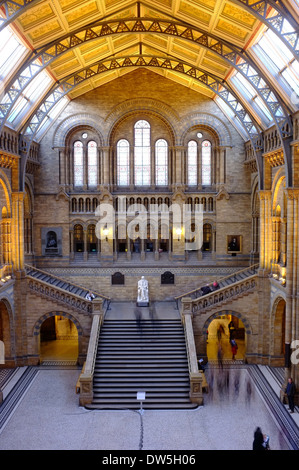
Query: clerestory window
[[85, 163], [148, 164], [142, 153], [199, 163]]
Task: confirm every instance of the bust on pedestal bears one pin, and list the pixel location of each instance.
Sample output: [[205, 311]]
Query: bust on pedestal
[[142, 295]]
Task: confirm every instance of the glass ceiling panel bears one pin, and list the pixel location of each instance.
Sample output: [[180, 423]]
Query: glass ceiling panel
[[11, 51]]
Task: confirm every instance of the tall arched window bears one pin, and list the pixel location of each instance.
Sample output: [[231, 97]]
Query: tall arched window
[[161, 158], [92, 163], [78, 164], [142, 153], [86, 173], [123, 162], [192, 163], [206, 174]]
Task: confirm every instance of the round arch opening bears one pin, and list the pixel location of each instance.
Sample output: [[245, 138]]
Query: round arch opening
[[5, 335], [278, 346], [220, 334], [59, 339]]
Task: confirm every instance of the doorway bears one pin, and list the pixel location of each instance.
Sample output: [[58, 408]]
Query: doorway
[[221, 331], [58, 340]]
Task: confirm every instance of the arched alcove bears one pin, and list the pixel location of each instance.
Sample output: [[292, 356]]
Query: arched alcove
[[219, 329], [59, 337], [277, 351], [5, 333]]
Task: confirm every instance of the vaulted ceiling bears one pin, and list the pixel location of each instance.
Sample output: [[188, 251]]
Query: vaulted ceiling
[[44, 22], [84, 44]]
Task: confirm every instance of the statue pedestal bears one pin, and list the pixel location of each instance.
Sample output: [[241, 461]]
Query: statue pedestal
[[142, 303]]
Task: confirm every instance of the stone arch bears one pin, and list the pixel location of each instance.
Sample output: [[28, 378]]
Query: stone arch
[[52, 339], [278, 187], [71, 123], [40, 321], [7, 329], [146, 106], [209, 122], [7, 191], [209, 336], [244, 320], [277, 329], [147, 114]]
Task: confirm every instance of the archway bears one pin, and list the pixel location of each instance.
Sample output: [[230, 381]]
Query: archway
[[220, 330], [278, 333], [59, 338], [5, 334]]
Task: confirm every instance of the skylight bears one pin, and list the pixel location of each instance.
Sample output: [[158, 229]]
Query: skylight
[[11, 50], [279, 61]]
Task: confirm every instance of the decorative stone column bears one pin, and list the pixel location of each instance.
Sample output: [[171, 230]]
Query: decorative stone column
[[17, 230], [266, 230], [292, 287], [106, 169], [178, 232], [85, 253], [72, 251]]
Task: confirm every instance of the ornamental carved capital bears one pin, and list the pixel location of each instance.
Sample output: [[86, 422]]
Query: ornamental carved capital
[[265, 195], [292, 194]]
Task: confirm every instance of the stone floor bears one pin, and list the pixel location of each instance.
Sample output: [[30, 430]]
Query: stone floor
[[47, 416]]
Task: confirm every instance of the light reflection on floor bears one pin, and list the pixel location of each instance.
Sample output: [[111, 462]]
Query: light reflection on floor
[[59, 349]]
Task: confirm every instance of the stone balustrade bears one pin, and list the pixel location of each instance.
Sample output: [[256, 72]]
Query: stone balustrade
[[58, 295], [86, 377], [195, 376], [223, 295]]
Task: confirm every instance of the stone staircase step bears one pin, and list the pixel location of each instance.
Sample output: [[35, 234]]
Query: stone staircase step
[[136, 406], [149, 356]]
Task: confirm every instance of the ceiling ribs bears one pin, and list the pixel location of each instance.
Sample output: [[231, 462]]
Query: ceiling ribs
[[43, 57], [212, 82], [259, 9]]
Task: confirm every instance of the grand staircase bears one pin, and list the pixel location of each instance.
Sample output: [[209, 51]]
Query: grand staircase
[[148, 356]]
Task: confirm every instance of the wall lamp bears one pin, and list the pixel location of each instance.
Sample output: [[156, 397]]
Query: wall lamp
[[178, 232]]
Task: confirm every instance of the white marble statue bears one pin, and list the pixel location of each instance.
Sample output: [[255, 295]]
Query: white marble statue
[[142, 297]]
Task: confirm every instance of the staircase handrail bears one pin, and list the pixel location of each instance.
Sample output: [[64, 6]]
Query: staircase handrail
[[195, 377], [86, 377], [253, 267], [27, 267], [218, 294]]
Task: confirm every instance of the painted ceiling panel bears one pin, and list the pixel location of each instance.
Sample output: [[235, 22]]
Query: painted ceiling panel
[[206, 34]]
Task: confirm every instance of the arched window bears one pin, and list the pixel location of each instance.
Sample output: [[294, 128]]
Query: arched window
[[78, 164], [192, 163], [123, 162], [92, 163], [78, 238], [161, 157], [85, 161], [206, 176], [142, 153]]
